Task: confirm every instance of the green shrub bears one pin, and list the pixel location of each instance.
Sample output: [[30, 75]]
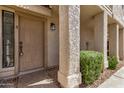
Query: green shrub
[[91, 65], [112, 62]]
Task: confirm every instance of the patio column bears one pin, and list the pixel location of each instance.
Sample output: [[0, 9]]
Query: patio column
[[101, 21], [69, 49], [121, 44], [114, 40]]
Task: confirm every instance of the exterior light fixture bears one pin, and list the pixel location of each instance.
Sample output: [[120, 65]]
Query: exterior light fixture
[[52, 27]]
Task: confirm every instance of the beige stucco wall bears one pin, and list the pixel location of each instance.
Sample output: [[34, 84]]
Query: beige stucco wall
[[53, 39], [121, 44], [86, 30], [37, 10], [114, 40], [86, 35], [101, 22]]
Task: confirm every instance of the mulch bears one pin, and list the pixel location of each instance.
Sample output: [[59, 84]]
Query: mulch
[[8, 83]]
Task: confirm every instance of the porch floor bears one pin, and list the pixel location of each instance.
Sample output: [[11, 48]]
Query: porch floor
[[39, 79]]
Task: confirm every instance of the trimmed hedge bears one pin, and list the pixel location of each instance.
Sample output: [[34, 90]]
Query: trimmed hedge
[[112, 63], [91, 65]]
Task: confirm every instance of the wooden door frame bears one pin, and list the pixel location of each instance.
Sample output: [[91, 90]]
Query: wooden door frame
[[17, 39]]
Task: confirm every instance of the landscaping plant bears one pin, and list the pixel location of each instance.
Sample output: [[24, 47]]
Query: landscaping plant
[[112, 62], [91, 65]]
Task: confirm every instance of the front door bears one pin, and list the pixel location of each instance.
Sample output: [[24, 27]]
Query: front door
[[31, 43]]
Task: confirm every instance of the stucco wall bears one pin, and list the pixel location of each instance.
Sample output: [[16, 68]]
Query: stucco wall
[[53, 39], [121, 44], [114, 40], [86, 35]]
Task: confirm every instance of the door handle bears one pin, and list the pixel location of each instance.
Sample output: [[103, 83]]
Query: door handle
[[21, 53]]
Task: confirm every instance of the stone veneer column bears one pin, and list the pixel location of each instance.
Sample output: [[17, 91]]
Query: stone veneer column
[[114, 40], [121, 44], [101, 21], [69, 49]]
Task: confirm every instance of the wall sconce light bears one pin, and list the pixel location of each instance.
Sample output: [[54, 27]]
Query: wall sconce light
[[52, 27]]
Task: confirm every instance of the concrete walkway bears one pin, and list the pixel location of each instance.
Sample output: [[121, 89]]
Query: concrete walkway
[[115, 81], [39, 79]]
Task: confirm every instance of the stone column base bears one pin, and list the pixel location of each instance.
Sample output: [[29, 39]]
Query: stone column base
[[105, 64], [71, 81]]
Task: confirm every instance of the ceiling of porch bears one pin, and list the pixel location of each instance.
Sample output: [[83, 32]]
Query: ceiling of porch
[[87, 13]]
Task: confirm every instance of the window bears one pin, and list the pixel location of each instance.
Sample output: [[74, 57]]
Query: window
[[8, 38]]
